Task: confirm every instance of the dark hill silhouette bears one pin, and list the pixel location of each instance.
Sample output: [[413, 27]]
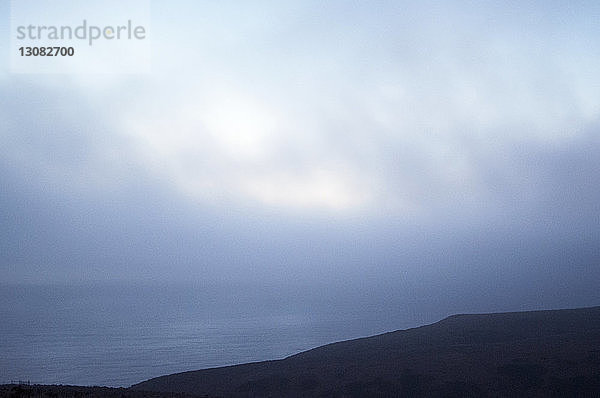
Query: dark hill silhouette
[[537, 354]]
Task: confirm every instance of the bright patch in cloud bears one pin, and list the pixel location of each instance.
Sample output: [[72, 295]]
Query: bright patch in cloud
[[317, 189], [241, 127], [231, 148]]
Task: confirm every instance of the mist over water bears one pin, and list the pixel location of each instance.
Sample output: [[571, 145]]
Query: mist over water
[[291, 174], [122, 333], [117, 335]]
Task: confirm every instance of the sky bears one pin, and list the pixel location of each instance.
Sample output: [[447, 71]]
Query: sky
[[446, 145]]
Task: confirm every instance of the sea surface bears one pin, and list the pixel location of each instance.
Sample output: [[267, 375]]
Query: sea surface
[[120, 334]]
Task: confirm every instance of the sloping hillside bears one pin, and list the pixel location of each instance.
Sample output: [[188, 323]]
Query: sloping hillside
[[540, 353]]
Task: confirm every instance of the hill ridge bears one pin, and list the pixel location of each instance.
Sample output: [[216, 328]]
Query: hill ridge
[[537, 353]]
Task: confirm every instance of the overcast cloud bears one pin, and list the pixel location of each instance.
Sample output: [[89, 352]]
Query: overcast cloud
[[447, 145]]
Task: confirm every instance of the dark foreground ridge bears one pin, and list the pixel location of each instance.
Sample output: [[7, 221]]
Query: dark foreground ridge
[[535, 354], [40, 391]]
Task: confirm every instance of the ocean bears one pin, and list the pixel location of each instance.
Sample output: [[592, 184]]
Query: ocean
[[120, 334]]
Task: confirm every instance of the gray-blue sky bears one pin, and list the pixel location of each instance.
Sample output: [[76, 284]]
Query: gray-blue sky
[[451, 146]]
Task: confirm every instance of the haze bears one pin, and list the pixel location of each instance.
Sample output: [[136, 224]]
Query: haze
[[437, 150]]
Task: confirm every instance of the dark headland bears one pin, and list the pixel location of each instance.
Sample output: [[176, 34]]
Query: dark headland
[[535, 354]]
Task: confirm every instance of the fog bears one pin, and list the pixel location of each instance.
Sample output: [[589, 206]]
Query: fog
[[417, 160]]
